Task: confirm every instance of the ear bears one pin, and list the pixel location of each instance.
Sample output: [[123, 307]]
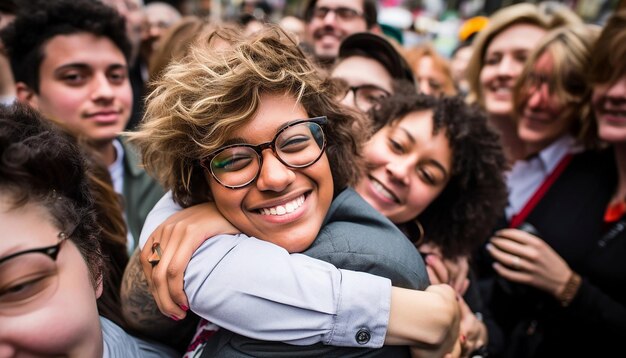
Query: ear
[[26, 95], [99, 287]]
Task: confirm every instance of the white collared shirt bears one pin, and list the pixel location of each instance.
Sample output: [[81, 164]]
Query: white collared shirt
[[526, 176]]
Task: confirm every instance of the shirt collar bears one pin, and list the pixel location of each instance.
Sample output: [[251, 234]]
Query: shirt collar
[[552, 155]]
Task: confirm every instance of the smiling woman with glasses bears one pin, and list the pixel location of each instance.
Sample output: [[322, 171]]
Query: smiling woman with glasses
[[298, 144], [270, 151], [51, 264]]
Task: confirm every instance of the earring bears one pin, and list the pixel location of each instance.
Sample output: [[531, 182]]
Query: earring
[[422, 233]]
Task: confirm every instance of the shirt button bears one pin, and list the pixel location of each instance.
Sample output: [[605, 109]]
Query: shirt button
[[363, 336]]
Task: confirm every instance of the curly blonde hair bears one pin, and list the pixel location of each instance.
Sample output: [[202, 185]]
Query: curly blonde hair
[[203, 98]]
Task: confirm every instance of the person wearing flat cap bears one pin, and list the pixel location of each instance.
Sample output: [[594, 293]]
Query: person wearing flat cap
[[368, 65]]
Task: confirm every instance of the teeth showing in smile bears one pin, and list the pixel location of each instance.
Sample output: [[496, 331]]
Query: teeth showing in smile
[[287, 208], [382, 191]]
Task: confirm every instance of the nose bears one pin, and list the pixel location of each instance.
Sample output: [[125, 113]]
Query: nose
[[538, 96], [399, 170], [507, 67], [330, 18], [617, 89], [424, 87], [274, 175], [154, 31], [102, 88]]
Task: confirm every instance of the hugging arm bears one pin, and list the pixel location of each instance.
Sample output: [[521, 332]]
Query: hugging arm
[[234, 276]]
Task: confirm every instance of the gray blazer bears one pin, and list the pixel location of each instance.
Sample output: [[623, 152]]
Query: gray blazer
[[357, 237]]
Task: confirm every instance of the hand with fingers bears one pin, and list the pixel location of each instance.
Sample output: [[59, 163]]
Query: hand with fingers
[[525, 258], [473, 330], [450, 344], [452, 271], [169, 248]]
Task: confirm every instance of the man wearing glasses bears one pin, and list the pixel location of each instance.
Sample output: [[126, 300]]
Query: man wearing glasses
[[328, 22], [368, 66]]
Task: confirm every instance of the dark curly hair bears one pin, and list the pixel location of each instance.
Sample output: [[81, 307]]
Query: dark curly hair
[[39, 21], [40, 164], [464, 213]]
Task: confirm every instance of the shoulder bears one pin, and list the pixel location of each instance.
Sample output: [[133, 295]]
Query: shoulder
[[352, 218], [118, 343], [357, 237]]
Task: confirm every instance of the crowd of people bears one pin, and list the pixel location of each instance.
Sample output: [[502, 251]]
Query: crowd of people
[[172, 186]]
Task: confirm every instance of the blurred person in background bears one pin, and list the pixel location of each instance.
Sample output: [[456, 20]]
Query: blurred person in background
[[558, 195], [460, 57], [431, 70], [293, 25], [7, 84], [367, 66], [329, 22], [500, 51], [159, 16], [174, 44]]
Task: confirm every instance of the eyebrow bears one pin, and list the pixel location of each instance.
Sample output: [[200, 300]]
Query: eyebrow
[[84, 66], [408, 134]]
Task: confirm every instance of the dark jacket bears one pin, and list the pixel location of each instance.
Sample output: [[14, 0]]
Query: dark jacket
[[570, 219], [140, 193]]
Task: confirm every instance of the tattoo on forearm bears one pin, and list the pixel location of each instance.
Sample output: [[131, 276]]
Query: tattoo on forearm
[[142, 313]]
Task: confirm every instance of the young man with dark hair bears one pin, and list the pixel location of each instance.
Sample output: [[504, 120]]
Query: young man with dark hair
[[70, 61]]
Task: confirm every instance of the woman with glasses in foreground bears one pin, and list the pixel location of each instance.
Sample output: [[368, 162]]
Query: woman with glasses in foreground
[[258, 145], [51, 265]]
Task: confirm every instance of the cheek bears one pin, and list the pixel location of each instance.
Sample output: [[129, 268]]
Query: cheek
[[420, 197], [50, 330], [227, 201], [376, 152], [486, 74], [323, 175], [65, 105], [125, 95], [66, 322]]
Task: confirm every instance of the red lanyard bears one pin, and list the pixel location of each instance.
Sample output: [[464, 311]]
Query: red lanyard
[[519, 218]]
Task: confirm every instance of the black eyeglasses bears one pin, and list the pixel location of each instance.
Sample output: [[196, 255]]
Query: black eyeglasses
[[343, 13], [50, 251], [299, 144], [367, 96], [29, 278]]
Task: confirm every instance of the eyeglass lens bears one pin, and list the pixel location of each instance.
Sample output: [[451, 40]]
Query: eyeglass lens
[[297, 146], [343, 13], [367, 96], [26, 281]]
